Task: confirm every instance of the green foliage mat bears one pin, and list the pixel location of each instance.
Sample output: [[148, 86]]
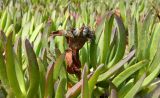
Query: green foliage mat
[[119, 58]]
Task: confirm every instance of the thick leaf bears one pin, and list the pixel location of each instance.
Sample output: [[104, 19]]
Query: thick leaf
[[8, 22], [38, 44], [49, 83], [154, 41], [93, 54], [155, 60], [3, 39], [113, 46], [44, 38], [19, 51], [42, 77], [121, 41], [94, 44], [3, 20], [52, 74], [133, 91], [3, 74], [143, 33], [113, 69], [106, 38], [60, 41], [151, 77], [24, 19], [154, 68], [84, 89], [112, 53], [37, 17], [57, 66], [122, 92], [33, 70], [122, 7], [25, 31], [20, 75], [10, 29], [84, 55], [75, 90], [63, 72], [128, 72], [35, 32], [99, 29], [93, 80], [132, 31], [60, 92], [31, 26], [18, 64], [10, 68]]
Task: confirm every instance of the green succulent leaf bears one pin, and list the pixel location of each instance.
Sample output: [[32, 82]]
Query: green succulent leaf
[[10, 68], [42, 76], [121, 41], [60, 92], [3, 74], [106, 36], [35, 32], [75, 90], [113, 69], [33, 70], [128, 72], [93, 80], [84, 89], [132, 92], [57, 66], [52, 74]]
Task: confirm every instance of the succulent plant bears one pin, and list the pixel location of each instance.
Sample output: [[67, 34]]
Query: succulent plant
[[73, 49]]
